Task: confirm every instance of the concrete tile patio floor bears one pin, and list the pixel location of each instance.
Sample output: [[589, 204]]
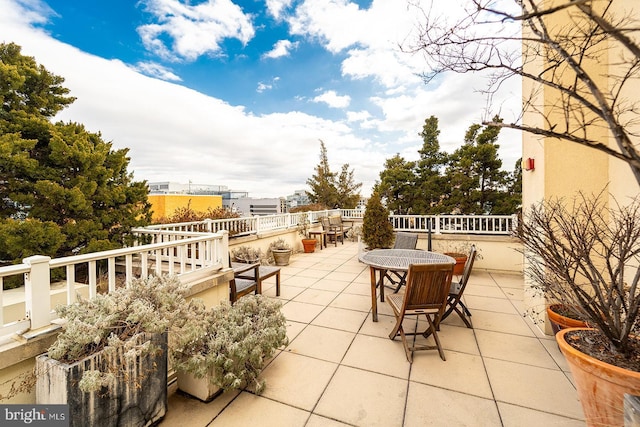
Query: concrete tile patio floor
[[341, 369]]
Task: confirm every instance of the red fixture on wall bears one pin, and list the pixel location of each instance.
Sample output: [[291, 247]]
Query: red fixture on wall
[[529, 164]]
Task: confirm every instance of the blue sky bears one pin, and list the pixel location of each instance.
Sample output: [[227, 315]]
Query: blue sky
[[239, 93]]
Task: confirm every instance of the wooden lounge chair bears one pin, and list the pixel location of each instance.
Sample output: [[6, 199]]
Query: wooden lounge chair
[[403, 241], [240, 286], [454, 300], [425, 294]]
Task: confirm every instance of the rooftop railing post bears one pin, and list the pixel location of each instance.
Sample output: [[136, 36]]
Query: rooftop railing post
[[223, 249], [37, 289]]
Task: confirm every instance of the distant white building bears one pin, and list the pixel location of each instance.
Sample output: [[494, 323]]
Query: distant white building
[[298, 198]]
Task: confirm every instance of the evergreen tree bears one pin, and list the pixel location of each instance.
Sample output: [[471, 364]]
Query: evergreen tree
[[475, 181], [322, 183], [328, 189], [397, 184], [63, 189], [429, 169], [377, 231], [511, 200], [348, 190]]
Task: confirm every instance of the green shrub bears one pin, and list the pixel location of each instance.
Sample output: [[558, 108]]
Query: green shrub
[[377, 231], [233, 341]]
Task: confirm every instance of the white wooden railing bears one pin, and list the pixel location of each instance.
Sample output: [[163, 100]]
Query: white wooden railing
[[437, 224], [456, 224], [185, 248], [180, 253]]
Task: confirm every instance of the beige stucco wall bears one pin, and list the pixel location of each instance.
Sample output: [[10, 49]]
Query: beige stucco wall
[[564, 168]]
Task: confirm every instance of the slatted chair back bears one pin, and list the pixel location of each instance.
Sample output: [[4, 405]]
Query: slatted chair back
[[326, 224], [425, 294], [403, 241], [406, 241], [427, 287]]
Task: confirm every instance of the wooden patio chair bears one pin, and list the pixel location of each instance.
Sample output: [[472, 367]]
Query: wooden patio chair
[[343, 225], [425, 294], [240, 285], [403, 241], [264, 272], [333, 232], [454, 300]]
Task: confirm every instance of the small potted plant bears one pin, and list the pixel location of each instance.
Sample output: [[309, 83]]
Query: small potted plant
[[562, 316], [246, 254], [280, 251], [304, 224], [459, 250], [228, 347]]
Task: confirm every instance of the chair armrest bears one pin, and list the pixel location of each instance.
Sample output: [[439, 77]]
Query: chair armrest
[[239, 269]]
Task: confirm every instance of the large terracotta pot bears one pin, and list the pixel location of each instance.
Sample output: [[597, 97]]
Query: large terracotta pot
[[461, 260], [559, 322], [309, 245], [600, 386]]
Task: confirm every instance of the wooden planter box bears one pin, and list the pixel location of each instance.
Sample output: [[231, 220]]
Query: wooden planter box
[[137, 398]]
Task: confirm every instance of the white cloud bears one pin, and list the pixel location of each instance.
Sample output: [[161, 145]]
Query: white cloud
[[332, 99], [281, 48], [263, 86], [178, 134], [276, 7], [195, 30], [153, 69], [357, 116]]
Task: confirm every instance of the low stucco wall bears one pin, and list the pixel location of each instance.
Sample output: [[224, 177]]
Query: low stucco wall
[[17, 357], [495, 253]]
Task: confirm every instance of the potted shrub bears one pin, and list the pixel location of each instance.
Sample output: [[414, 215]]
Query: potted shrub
[[562, 316], [304, 224], [246, 254], [459, 250], [377, 231], [586, 255], [228, 347], [280, 251], [109, 363]]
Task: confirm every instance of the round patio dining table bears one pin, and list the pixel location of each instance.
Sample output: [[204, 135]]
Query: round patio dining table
[[383, 260]]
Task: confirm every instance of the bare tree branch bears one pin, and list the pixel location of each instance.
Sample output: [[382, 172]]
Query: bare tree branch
[[554, 55]]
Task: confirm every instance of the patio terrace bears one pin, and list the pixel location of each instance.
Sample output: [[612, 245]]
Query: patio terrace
[[341, 369]]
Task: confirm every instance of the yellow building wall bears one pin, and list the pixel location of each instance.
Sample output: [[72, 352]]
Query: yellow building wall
[[564, 168], [164, 205]]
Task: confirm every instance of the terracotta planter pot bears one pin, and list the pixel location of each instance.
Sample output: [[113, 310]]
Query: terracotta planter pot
[[461, 259], [309, 245], [600, 386], [559, 322]]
